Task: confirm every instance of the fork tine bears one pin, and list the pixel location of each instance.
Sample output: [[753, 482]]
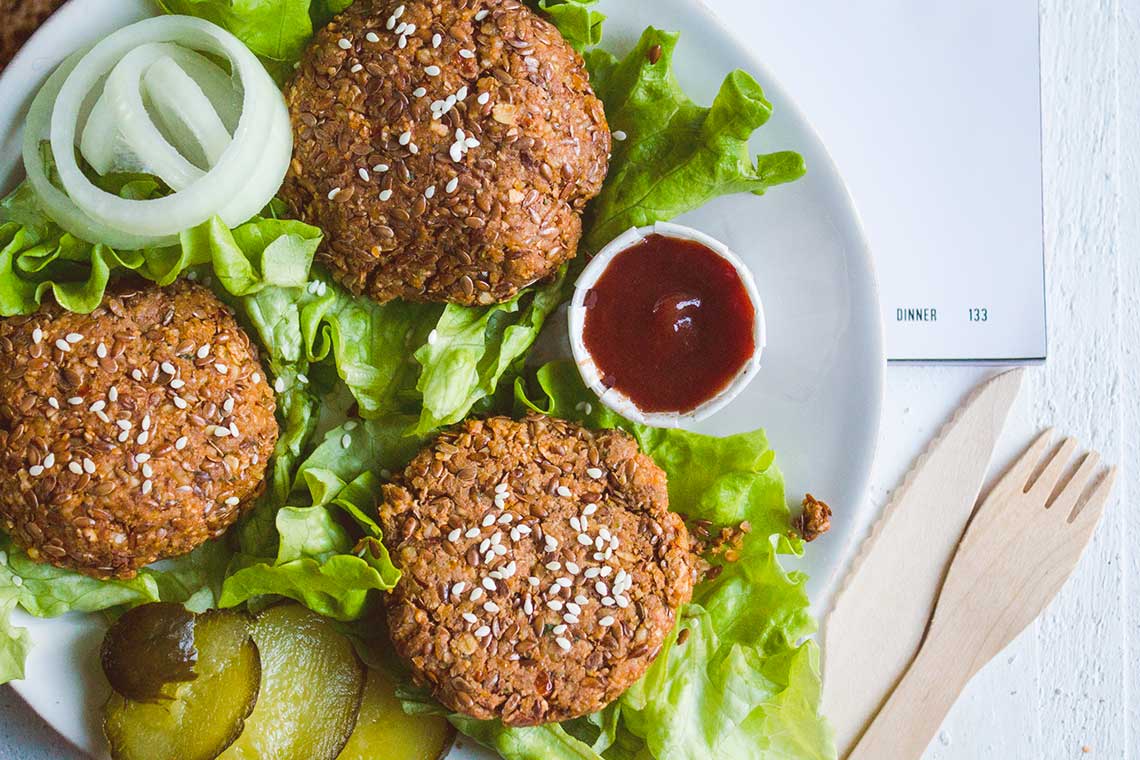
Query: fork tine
[[1021, 470], [1064, 501], [1055, 466], [1091, 511]]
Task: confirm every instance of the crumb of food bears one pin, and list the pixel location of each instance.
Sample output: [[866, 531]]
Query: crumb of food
[[815, 520]]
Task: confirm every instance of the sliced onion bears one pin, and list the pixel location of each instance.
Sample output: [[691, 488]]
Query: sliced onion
[[55, 202], [242, 177], [223, 91]]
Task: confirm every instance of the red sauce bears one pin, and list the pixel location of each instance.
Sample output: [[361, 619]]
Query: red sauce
[[669, 324]]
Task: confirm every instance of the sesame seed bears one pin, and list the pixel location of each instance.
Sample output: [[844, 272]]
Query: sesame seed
[[601, 588], [564, 582], [562, 641], [481, 15], [595, 472], [137, 375], [334, 193], [63, 345], [484, 545], [454, 535], [532, 580], [607, 601], [619, 135], [476, 594], [101, 351], [98, 406], [472, 532], [482, 631], [144, 457], [75, 467], [74, 337], [344, 43], [551, 543], [53, 402], [621, 601], [465, 53], [75, 400], [177, 384], [581, 599], [146, 422], [204, 351], [471, 142], [489, 584], [364, 175], [143, 438], [491, 607], [180, 402], [576, 523], [419, 92], [572, 568], [432, 71], [37, 336], [385, 194], [36, 470], [528, 606], [457, 589], [488, 520], [49, 461], [590, 509], [497, 538], [553, 566], [584, 522], [398, 12], [505, 518], [559, 629], [218, 431], [484, 98], [123, 436], [564, 491], [372, 37], [570, 618], [430, 192], [592, 572], [436, 40], [605, 571], [391, 23], [402, 42], [606, 622], [574, 608], [221, 368], [147, 471], [584, 540], [461, 93], [499, 549], [233, 501], [169, 369], [555, 605], [279, 385]]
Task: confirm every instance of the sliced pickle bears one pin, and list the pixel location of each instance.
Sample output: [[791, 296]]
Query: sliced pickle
[[385, 732], [311, 689], [149, 651], [203, 716]]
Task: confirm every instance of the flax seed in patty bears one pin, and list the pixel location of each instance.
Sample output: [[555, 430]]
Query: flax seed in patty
[[130, 434], [541, 567], [446, 147]]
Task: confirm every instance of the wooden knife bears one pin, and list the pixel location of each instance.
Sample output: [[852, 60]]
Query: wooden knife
[[884, 605]]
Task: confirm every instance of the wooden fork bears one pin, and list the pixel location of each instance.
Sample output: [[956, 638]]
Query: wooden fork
[[1021, 546]]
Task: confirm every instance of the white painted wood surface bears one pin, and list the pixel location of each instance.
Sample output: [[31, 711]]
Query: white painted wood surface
[[1073, 679]]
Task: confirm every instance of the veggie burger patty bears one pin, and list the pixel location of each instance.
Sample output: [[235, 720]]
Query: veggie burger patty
[[447, 149], [130, 434], [541, 567]]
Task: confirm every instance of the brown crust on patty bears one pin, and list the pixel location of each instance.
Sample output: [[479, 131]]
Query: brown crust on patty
[[21, 19], [514, 215], [74, 424], [505, 661]]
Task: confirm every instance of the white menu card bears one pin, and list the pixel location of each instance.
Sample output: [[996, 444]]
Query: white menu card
[[932, 111]]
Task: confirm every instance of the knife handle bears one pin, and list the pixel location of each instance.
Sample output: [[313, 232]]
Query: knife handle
[[912, 715]]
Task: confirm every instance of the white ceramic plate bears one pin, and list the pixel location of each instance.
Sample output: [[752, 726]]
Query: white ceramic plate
[[819, 390]]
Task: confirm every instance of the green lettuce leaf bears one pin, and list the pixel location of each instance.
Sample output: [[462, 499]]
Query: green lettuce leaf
[[736, 677], [277, 30], [578, 22], [677, 155]]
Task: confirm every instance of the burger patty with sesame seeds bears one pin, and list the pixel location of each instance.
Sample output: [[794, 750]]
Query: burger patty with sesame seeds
[[542, 569], [446, 147], [130, 434]]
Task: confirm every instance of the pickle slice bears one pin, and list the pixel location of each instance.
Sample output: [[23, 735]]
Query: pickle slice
[[149, 651], [384, 730], [312, 684], [204, 715]]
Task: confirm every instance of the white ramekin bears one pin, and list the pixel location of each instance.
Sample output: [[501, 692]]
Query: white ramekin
[[591, 375]]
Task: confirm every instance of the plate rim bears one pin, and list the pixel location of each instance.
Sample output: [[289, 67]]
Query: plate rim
[[862, 255]]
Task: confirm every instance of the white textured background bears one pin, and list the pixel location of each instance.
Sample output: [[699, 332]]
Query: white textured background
[[1071, 683]]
